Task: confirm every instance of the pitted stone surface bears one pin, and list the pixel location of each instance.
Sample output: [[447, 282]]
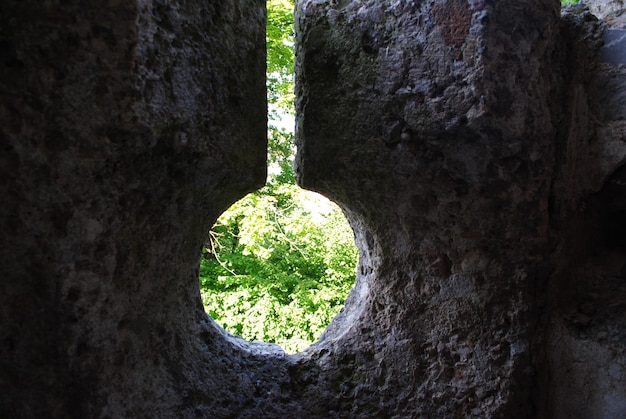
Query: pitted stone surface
[[124, 132], [477, 148], [439, 146]]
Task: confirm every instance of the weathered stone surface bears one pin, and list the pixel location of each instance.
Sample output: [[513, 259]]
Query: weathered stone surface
[[440, 145], [612, 12], [605, 8], [586, 324], [477, 147], [614, 49], [467, 137], [126, 128]]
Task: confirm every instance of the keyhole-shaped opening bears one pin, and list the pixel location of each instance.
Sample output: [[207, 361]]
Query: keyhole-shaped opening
[[279, 264]]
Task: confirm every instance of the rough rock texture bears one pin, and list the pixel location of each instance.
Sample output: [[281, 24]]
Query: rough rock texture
[[440, 146], [612, 11], [477, 148], [127, 127], [585, 319]]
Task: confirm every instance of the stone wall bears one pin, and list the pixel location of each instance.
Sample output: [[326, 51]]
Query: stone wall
[[127, 127], [584, 319], [440, 143], [477, 148]]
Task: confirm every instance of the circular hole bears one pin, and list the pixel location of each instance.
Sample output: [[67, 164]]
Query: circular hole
[[278, 266]]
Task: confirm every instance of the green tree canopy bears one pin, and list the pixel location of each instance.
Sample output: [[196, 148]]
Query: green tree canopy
[[281, 261], [280, 55]]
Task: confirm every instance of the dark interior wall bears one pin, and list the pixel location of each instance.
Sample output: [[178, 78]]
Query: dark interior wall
[[127, 127], [585, 323], [477, 148]]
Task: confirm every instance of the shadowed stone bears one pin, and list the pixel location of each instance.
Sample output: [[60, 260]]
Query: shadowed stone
[[477, 148], [614, 50]]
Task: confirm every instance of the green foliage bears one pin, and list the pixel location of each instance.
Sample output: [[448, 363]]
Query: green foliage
[[280, 262], [279, 266], [280, 54]]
